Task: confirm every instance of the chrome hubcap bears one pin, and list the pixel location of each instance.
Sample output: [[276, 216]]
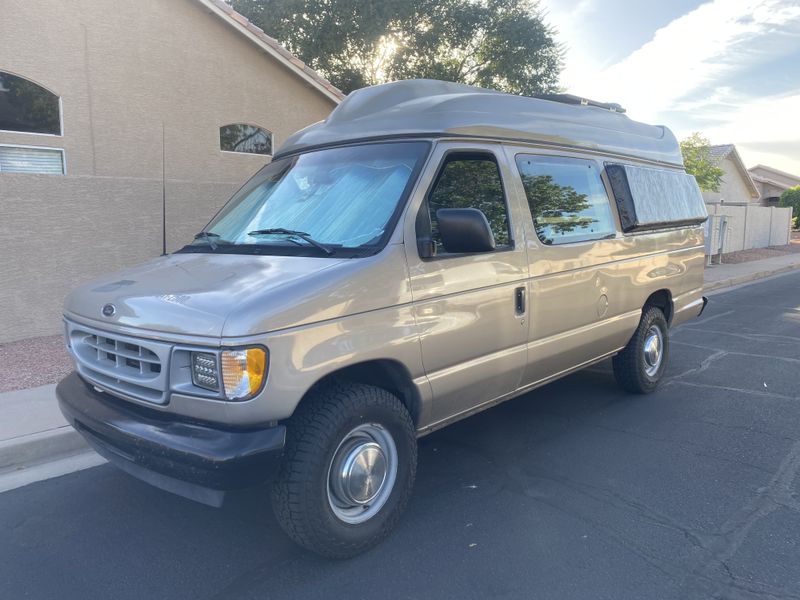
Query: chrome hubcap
[[653, 350], [362, 473]]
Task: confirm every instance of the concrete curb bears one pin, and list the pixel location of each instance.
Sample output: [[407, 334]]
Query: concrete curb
[[43, 455], [747, 278], [37, 448]]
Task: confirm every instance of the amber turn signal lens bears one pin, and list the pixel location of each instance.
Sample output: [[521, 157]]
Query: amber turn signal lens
[[243, 372]]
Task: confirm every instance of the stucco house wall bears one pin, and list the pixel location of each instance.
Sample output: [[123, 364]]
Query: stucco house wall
[[144, 88], [747, 223], [733, 188], [771, 183]]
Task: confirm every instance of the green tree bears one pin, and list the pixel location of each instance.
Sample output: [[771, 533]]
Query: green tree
[[466, 183], [791, 199], [696, 152], [502, 44]]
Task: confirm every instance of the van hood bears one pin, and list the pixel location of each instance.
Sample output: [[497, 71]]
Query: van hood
[[230, 295], [188, 293]]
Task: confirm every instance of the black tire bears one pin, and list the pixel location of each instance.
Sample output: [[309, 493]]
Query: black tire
[[300, 494], [630, 366]]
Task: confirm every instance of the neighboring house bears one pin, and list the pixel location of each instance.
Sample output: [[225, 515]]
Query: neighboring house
[[737, 187], [747, 224], [771, 183], [122, 122]]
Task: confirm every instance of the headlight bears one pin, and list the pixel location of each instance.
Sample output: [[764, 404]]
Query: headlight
[[243, 372], [204, 370]]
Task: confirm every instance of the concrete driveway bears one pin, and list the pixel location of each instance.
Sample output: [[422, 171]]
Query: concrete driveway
[[576, 490]]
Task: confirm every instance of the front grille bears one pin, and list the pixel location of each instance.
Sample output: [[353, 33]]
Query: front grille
[[131, 367]]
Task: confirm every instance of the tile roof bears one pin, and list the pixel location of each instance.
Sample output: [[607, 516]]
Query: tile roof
[[720, 152], [723, 151], [237, 20]]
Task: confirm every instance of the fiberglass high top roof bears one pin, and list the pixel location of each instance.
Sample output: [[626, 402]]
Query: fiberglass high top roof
[[428, 108]]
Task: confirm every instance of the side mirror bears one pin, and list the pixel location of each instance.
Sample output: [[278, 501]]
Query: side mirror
[[464, 230]]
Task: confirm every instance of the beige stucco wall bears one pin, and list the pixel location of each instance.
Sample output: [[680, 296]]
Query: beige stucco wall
[[124, 70], [733, 188]]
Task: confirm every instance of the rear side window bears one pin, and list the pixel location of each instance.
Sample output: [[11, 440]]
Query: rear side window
[[468, 181], [567, 199]]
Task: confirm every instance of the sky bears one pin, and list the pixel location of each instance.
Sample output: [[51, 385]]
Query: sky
[[729, 69]]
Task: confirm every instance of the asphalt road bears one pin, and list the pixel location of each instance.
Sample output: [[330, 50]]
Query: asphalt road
[[576, 490]]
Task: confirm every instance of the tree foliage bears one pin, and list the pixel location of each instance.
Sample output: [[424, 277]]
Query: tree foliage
[[472, 183], [696, 152], [791, 199], [501, 44]]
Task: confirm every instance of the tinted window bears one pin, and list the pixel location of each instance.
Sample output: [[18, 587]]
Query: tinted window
[[470, 181], [27, 107], [567, 199], [249, 139]]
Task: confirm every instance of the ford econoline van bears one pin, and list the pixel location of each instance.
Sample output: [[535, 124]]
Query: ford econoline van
[[429, 250]]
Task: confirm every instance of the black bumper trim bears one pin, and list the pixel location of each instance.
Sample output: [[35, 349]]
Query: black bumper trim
[[168, 451]]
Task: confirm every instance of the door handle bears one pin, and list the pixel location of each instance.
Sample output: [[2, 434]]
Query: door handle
[[519, 300]]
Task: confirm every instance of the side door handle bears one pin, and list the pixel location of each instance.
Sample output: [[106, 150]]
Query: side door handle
[[519, 300]]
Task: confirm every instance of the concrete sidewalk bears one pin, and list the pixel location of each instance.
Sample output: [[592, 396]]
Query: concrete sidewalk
[[722, 276], [35, 440], [36, 443]]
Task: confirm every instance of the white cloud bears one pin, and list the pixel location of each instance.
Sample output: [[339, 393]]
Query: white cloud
[[687, 75]]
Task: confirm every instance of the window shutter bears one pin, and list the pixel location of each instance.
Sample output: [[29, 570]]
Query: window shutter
[[15, 159]]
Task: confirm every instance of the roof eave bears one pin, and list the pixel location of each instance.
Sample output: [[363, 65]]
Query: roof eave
[[239, 23]]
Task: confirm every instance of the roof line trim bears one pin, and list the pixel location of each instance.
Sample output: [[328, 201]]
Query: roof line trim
[[774, 170], [256, 35]]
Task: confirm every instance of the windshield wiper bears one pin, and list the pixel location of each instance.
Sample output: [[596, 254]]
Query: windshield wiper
[[208, 237], [292, 233]]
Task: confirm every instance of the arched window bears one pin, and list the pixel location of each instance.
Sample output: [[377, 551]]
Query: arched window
[[27, 107], [240, 137]]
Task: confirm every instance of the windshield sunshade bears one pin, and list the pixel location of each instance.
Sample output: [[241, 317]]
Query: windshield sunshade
[[324, 202]]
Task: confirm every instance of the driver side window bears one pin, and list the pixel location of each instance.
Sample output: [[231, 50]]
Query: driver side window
[[467, 181]]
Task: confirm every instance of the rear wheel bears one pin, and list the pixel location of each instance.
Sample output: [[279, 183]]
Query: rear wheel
[[639, 367], [348, 469]]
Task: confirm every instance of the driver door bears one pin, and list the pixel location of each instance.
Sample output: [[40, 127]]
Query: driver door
[[471, 309]]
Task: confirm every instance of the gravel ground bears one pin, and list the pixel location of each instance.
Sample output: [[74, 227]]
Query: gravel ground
[[19, 370]]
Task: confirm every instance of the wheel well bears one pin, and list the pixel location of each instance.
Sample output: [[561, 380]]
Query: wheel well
[[661, 299], [386, 374]]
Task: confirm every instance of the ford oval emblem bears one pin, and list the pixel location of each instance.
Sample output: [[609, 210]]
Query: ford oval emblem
[[109, 310]]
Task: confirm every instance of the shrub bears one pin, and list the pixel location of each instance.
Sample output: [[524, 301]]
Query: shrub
[[791, 199]]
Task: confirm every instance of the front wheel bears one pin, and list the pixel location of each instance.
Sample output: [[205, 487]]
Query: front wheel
[[348, 469], [639, 367]]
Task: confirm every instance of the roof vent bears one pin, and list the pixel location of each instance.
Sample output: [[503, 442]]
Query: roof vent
[[577, 100]]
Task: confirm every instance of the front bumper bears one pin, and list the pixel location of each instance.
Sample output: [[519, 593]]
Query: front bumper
[[189, 458]]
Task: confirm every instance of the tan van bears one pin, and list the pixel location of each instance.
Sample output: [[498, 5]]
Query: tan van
[[429, 250]]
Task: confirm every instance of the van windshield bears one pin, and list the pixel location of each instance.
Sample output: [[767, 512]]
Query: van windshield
[[330, 202]]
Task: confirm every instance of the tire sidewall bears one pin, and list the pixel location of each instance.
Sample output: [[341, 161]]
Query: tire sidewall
[[653, 317], [378, 525]]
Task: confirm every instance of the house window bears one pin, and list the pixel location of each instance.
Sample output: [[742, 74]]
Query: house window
[[249, 139], [27, 107], [31, 159]]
